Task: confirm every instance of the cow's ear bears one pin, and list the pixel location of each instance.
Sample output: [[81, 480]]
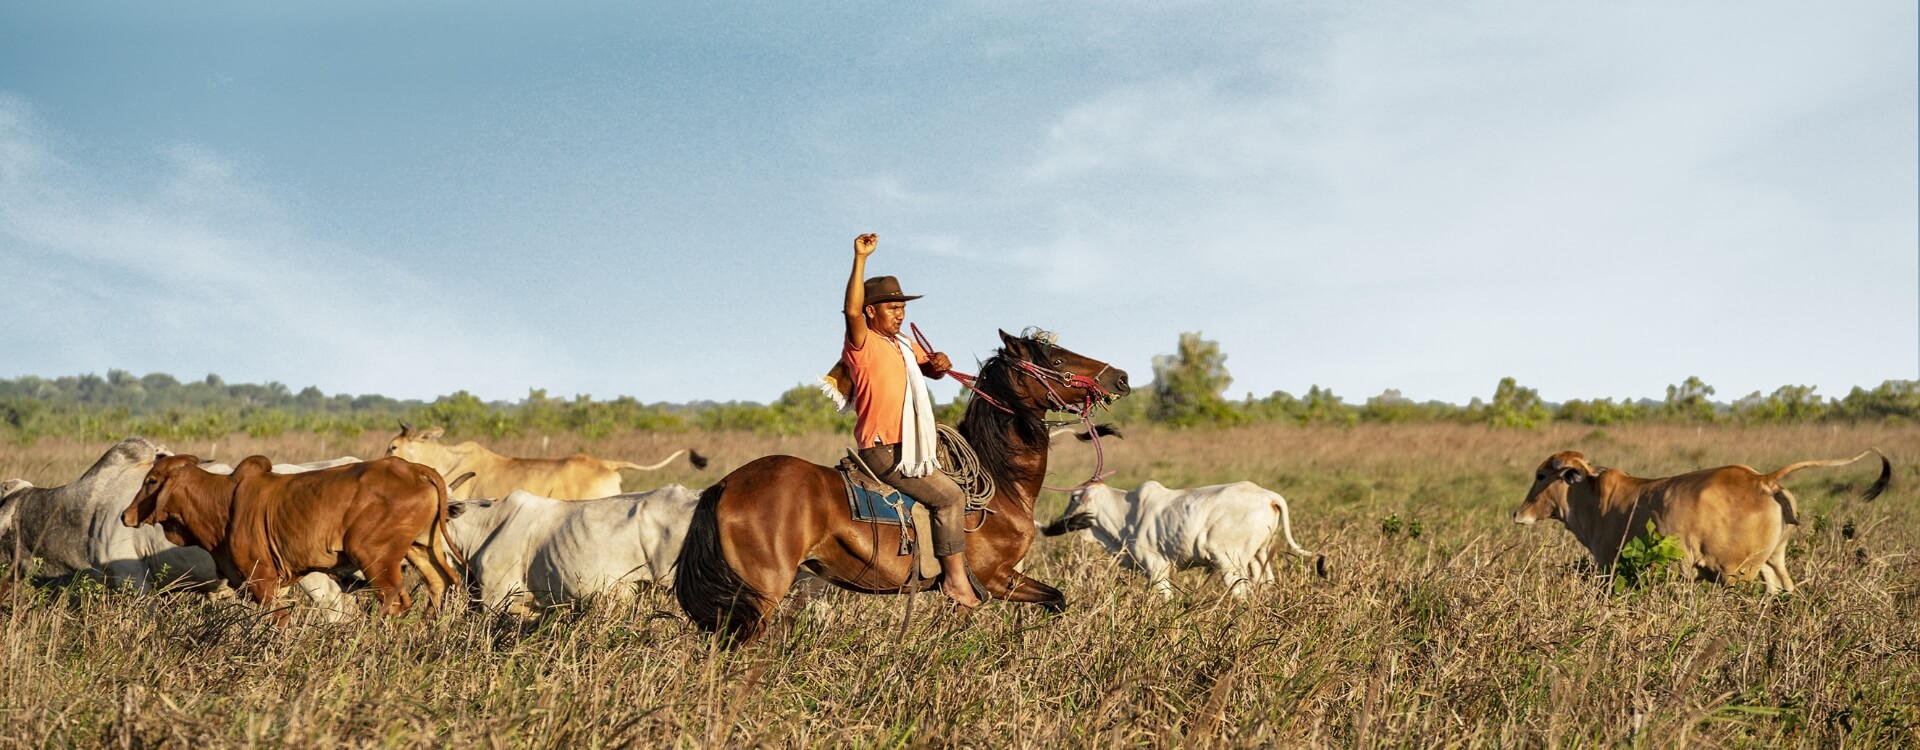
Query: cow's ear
[[433, 433], [405, 429], [1572, 475], [456, 509]]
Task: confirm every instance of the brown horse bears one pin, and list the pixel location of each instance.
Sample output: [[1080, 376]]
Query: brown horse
[[753, 530]]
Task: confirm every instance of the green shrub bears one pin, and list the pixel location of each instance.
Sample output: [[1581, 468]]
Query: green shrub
[[1643, 559]]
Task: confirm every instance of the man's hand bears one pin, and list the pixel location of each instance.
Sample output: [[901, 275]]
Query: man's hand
[[938, 364], [863, 245]]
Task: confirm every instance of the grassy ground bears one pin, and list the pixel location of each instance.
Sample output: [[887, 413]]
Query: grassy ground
[[1473, 633]]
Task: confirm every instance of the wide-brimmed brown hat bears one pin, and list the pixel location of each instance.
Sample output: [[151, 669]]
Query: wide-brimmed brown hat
[[886, 289]]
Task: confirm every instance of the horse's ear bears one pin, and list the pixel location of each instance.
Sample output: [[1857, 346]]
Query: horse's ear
[[1007, 340]]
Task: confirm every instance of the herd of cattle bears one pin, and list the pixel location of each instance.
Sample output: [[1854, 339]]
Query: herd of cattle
[[521, 535]]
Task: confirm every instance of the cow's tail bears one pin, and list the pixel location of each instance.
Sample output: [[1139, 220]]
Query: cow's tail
[[1879, 485], [712, 593], [1286, 531], [439, 542], [693, 457]]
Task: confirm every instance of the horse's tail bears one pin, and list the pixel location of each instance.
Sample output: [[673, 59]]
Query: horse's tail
[[712, 593]]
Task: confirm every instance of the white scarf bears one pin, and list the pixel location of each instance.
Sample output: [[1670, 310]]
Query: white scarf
[[919, 444]]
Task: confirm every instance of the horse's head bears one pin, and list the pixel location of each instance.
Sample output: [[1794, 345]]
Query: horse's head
[[1057, 378]]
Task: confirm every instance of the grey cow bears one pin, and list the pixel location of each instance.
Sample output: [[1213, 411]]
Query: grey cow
[[526, 552], [61, 533]]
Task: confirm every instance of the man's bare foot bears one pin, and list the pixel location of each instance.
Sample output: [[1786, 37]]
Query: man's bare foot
[[962, 595], [956, 583]]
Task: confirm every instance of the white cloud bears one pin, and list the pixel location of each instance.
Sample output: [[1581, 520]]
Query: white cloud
[[1422, 200], [200, 269]]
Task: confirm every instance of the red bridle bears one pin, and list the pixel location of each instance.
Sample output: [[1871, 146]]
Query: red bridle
[[1093, 395]]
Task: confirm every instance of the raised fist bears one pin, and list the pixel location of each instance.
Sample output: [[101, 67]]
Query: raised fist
[[863, 245]]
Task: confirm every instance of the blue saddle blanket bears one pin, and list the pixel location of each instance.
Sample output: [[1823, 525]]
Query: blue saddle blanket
[[896, 507]]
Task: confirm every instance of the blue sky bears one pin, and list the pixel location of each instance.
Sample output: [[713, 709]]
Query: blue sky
[[659, 199]]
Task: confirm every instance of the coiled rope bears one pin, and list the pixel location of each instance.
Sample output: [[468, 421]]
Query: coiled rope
[[959, 463]]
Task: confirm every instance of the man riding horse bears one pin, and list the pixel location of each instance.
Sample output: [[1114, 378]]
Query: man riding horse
[[752, 530], [894, 426]]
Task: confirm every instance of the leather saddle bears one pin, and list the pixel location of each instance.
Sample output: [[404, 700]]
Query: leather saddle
[[872, 500], [876, 502]]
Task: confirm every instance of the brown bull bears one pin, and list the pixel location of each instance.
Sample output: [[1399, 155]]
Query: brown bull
[[1730, 522], [265, 529]]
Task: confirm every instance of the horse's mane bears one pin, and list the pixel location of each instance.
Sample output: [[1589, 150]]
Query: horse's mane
[[987, 428]]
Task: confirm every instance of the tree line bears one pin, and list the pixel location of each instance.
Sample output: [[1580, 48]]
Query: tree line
[[1188, 390], [162, 407]]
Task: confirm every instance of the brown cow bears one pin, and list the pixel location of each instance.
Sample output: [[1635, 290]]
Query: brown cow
[[1731, 522], [265, 529], [576, 477]]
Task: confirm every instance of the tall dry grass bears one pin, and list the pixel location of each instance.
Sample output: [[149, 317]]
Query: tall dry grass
[[1474, 633]]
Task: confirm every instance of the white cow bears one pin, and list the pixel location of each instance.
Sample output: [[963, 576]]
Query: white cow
[[1228, 528], [527, 552], [60, 533]]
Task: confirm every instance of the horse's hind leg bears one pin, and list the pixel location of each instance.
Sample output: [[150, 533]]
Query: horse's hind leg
[[1022, 589], [775, 582], [810, 591]]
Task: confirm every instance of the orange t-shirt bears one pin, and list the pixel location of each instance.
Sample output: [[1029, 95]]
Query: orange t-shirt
[[879, 388]]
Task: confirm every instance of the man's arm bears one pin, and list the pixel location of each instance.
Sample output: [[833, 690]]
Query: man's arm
[[936, 365], [863, 246]]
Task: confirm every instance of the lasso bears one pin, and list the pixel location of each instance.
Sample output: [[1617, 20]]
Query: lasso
[[959, 463]]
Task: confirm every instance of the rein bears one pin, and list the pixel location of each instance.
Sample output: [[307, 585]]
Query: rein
[[1096, 395]]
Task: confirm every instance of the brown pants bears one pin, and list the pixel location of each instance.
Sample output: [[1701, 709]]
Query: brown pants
[[945, 501]]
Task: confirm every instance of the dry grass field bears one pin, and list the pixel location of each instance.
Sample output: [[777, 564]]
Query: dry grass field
[[1474, 632]]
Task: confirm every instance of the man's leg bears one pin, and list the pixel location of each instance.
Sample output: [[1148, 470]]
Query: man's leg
[[947, 504]]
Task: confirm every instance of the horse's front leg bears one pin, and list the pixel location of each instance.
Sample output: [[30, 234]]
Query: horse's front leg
[[1017, 587]]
